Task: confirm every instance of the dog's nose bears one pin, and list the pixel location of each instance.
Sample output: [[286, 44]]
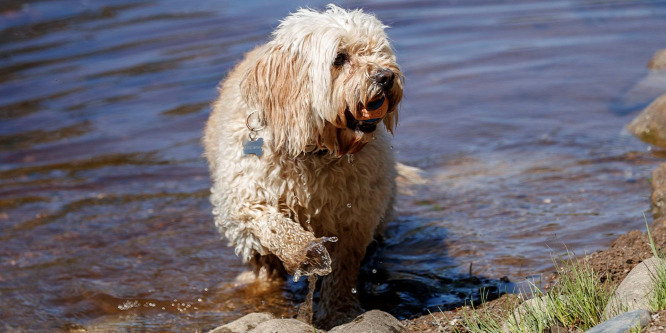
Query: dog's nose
[[384, 78]]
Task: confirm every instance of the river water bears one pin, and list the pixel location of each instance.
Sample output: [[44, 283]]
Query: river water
[[514, 109]]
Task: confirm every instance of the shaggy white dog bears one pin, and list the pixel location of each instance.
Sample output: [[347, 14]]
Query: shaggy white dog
[[298, 155]]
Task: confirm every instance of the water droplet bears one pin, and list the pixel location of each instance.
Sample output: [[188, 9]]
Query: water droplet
[[350, 158], [200, 300], [374, 271], [353, 290], [349, 205], [307, 221], [205, 289], [297, 275], [391, 147], [331, 239]]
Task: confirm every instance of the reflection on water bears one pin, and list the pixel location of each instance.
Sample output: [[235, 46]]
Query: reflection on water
[[515, 111]]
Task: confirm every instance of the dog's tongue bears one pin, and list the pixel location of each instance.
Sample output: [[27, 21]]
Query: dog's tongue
[[375, 110]]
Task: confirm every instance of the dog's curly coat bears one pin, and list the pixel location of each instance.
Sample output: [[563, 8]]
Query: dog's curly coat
[[303, 93]]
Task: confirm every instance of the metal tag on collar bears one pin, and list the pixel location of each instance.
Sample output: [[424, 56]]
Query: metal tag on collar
[[253, 147], [254, 144]]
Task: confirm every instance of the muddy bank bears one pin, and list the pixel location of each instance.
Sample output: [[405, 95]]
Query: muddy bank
[[613, 264]]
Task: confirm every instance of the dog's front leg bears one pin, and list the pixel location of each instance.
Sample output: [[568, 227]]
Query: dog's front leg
[[339, 301], [299, 250]]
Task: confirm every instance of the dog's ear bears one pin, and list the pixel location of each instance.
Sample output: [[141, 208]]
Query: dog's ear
[[276, 86], [391, 119]]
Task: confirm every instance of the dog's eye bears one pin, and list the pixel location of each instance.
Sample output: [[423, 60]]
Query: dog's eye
[[340, 59]]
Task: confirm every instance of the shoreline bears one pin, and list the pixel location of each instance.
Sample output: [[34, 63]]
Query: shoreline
[[625, 253]]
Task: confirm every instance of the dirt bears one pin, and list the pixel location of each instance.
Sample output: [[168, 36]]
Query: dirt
[[450, 321], [658, 323], [627, 251]]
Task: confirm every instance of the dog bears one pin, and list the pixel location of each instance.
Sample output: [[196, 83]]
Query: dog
[[298, 145]]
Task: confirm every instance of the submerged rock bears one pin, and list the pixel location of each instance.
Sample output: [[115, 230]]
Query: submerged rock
[[641, 93], [659, 191], [658, 61], [650, 124]]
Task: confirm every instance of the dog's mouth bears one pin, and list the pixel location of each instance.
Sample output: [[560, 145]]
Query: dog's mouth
[[369, 115]]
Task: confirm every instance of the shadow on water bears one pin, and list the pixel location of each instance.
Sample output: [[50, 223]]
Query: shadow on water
[[398, 274]]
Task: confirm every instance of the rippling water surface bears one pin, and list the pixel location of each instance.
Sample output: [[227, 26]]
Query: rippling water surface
[[515, 110]]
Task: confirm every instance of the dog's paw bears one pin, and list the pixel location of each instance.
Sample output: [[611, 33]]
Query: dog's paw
[[316, 259]]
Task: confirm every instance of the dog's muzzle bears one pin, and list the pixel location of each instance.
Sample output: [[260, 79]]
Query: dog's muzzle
[[376, 109], [371, 115]]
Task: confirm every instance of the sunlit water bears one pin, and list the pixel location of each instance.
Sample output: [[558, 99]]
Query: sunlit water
[[514, 109]]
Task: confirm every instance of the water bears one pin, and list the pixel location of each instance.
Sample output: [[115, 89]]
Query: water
[[514, 109]]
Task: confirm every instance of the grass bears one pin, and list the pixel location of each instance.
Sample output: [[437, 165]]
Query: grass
[[576, 301], [658, 297], [579, 299], [481, 320]]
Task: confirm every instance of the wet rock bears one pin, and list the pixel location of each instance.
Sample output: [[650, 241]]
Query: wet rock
[[244, 324], [375, 321], [658, 61], [623, 323], [650, 124], [283, 326], [659, 191], [640, 94], [633, 293]]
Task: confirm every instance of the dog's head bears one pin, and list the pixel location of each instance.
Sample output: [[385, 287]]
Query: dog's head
[[325, 80]]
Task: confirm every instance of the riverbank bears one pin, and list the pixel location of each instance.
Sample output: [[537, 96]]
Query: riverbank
[[611, 265]]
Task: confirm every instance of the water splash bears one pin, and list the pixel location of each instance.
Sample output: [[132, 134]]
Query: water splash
[[318, 261], [331, 239], [305, 310], [349, 205]]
